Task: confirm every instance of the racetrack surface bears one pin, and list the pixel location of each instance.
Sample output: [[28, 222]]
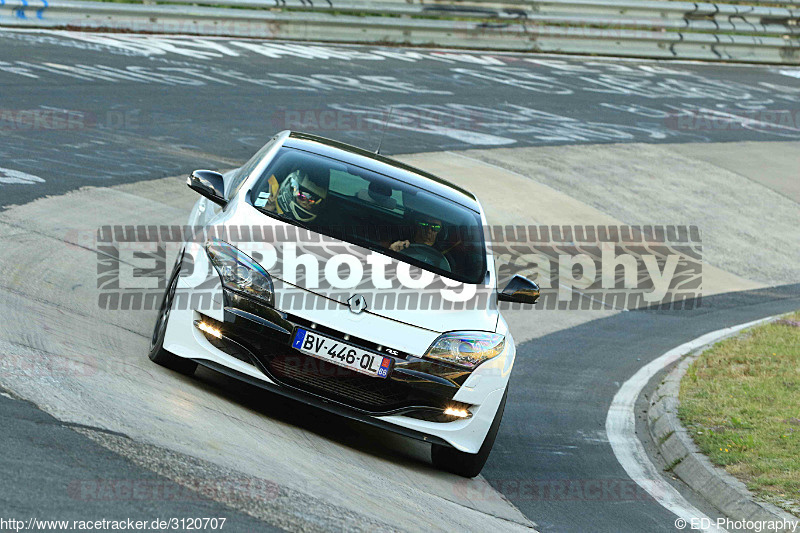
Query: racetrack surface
[[561, 393], [552, 460], [54, 474], [116, 108]]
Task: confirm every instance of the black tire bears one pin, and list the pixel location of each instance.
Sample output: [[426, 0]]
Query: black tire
[[468, 464], [157, 352]]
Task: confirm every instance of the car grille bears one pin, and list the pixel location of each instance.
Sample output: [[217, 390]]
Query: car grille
[[293, 368], [338, 383]]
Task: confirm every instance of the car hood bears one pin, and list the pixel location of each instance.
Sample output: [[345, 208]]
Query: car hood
[[303, 262]]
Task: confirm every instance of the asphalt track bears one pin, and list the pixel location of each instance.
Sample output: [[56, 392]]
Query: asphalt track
[[54, 474], [562, 389], [551, 453], [120, 108]]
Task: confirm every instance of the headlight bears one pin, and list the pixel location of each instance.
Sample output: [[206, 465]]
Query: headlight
[[467, 349], [238, 272]]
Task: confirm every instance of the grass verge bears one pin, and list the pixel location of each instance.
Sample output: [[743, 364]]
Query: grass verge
[[740, 400]]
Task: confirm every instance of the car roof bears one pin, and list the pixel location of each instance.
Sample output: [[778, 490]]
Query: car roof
[[382, 165]]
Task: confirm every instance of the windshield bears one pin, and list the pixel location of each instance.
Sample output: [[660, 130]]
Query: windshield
[[374, 211]]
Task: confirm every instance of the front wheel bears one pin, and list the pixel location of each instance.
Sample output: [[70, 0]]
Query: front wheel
[[468, 464], [157, 352]]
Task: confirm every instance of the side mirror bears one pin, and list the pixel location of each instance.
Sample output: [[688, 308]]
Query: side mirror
[[520, 290], [209, 184]]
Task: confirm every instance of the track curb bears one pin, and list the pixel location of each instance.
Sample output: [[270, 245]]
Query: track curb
[[683, 458]]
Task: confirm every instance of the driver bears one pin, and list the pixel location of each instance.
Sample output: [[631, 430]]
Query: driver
[[426, 230], [300, 196]]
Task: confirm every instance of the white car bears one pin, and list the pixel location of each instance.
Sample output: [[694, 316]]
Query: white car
[[349, 281]]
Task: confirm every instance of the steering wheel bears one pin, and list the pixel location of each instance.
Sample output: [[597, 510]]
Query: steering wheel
[[429, 255]]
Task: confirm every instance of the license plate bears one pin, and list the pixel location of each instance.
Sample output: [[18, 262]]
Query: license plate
[[342, 354]]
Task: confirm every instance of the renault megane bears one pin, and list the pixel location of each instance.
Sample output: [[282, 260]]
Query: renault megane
[[350, 281]]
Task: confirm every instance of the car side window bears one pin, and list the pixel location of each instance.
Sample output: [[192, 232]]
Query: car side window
[[348, 184]]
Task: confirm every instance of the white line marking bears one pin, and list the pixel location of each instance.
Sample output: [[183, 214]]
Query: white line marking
[[420, 49], [621, 423], [15, 176]]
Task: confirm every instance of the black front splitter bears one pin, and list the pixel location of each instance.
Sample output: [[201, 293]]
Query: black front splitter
[[321, 403]]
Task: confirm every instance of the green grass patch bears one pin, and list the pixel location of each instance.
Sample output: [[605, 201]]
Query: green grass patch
[[740, 401]]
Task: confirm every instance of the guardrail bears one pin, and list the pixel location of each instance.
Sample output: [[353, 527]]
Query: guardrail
[[633, 28]]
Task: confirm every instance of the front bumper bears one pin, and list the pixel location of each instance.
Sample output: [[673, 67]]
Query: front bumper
[[256, 347]]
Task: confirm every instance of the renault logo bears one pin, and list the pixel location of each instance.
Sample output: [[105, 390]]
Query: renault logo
[[357, 303]]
